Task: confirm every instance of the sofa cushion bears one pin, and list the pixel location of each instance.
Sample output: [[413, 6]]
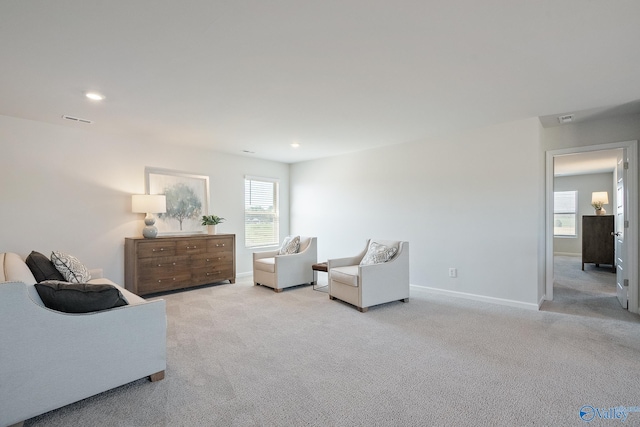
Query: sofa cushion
[[266, 264], [377, 253], [42, 267], [347, 275], [79, 297], [70, 267], [290, 245]]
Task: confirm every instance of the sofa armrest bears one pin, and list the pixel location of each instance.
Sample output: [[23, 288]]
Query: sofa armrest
[[96, 273], [51, 359]]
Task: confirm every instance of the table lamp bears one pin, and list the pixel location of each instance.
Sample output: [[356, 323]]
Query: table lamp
[[149, 204]]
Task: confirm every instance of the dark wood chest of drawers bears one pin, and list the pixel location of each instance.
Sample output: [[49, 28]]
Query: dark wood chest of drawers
[[598, 240], [169, 263]]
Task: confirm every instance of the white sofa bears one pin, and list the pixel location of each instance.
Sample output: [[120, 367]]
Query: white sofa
[[49, 359], [284, 271], [367, 285]]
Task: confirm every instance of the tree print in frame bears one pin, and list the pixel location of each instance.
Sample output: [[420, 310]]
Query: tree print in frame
[[187, 200]]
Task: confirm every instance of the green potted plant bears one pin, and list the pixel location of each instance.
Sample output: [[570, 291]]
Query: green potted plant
[[211, 221], [599, 206]]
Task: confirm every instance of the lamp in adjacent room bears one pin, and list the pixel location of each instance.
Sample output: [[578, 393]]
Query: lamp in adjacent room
[[598, 200], [149, 204]]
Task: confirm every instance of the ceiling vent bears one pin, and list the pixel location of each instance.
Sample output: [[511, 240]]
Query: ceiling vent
[[566, 118], [77, 119]]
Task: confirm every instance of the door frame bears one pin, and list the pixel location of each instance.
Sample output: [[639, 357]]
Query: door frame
[[632, 191]]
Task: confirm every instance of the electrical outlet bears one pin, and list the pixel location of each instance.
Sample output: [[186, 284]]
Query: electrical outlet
[[453, 272]]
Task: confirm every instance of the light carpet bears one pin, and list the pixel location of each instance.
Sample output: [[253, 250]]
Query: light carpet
[[240, 355]]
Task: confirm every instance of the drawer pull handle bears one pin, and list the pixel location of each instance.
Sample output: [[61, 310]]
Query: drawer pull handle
[[218, 245], [192, 247], [154, 249]]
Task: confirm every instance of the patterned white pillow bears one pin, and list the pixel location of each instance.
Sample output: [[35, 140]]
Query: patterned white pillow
[[69, 266], [377, 253], [291, 245]]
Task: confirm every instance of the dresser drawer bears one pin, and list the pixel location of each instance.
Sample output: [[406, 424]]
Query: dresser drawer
[[191, 247], [220, 245], [203, 276], [162, 266], [156, 248], [212, 259], [150, 284]]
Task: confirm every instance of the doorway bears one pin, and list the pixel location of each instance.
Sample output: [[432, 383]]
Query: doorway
[[631, 269]]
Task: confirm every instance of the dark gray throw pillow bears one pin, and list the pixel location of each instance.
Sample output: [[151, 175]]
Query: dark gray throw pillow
[[79, 297], [42, 268]]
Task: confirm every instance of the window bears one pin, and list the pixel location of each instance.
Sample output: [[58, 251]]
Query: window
[[261, 220], [564, 213]]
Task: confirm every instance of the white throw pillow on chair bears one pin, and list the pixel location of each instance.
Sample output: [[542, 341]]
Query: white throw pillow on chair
[[291, 245], [377, 253]]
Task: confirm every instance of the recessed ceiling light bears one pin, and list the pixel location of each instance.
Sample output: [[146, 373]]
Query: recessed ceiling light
[[295, 145], [95, 96]]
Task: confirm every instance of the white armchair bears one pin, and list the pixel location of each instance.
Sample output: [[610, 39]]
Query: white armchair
[[283, 271], [368, 285]]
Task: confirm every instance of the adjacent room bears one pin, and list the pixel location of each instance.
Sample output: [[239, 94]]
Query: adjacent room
[[288, 213]]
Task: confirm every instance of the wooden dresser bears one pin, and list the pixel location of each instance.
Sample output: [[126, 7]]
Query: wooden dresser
[[168, 263], [598, 240]]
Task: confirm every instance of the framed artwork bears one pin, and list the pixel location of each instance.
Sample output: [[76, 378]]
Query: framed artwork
[[187, 200]]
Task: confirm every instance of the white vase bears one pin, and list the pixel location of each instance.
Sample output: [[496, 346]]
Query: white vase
[[213, 229], [601, 211]]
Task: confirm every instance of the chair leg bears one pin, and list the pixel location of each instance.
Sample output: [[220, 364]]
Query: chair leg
[[363, 309], [405, 300], [332, 297], [277, 289]]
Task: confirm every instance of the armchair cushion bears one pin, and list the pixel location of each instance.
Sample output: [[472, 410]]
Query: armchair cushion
[[347, 275], [42, 267], [265, 264], [290, 245], [79, 297], [377, 253]]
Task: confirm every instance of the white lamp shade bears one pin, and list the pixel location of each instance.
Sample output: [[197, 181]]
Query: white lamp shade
[[148, 203], [600, 196]]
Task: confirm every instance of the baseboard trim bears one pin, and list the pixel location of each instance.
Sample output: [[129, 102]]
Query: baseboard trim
[[567, 254], [501, 301], [543, 299]]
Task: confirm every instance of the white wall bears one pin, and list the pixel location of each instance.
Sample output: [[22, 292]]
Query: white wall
[[472, 201], [70, 190], [584, 185]]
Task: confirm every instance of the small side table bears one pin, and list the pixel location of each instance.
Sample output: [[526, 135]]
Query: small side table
[[321, 266]]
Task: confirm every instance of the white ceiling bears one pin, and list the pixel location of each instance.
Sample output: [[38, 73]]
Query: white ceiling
[[334, 76], [586, 163]]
